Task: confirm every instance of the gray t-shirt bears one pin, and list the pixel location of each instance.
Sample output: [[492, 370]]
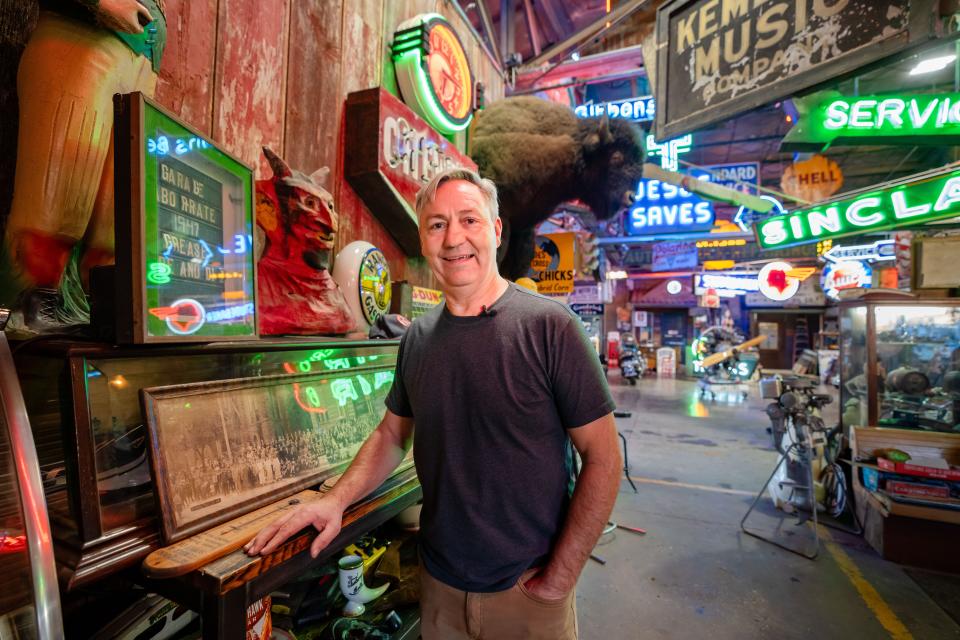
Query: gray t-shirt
[[491, 397]]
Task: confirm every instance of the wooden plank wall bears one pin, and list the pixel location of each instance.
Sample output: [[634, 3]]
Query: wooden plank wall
[[250, 73]]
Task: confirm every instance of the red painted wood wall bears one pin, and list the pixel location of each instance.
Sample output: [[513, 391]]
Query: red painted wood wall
[[251, 73]]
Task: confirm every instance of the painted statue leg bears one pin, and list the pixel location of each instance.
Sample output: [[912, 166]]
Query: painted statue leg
[[66, 80], [99, 240]]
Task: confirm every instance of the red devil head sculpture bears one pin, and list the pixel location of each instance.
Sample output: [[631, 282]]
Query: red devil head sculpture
[[295, 212]]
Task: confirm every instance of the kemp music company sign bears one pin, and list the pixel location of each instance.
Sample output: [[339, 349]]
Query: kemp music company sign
[[718, 58], [388, 169]]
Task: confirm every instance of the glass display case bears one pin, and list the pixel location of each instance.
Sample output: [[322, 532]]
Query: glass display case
[[900, 363], [84, 402]]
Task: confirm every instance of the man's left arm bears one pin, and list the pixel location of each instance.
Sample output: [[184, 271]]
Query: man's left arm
[[593, 498]]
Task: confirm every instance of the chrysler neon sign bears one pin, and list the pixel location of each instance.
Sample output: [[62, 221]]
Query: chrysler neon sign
[[908, 204]]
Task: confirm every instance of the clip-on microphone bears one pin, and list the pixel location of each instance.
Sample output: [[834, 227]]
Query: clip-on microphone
[[487, 312]]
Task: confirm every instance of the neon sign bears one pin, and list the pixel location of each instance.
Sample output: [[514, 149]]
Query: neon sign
[[162, 145], [183, 317], [780, 281], [158, 273], [670, 150], [664, 208], [833, 119], [640, 109], [744, 216], [726, 285], [878, 251], [433, 72], [849, 274], [908, 204]]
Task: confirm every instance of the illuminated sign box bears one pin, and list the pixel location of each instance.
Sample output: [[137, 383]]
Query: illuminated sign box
[[726, 285], [662, 208], [907, 204], [830, 118], [733, 176], [184, 232], [640, 109]]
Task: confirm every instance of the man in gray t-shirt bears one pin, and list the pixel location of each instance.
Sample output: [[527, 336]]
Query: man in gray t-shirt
[[496, 380]]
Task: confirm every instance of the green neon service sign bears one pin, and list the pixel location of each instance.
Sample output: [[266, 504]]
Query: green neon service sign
[[908, 204], [829, 118]]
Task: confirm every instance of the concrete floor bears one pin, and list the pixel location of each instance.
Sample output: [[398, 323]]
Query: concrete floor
[[697, 465]]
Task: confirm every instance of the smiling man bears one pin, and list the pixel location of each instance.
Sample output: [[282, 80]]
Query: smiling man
[[497, 380]]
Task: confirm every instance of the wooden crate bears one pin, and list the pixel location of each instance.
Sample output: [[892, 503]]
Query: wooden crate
[[908, 534]]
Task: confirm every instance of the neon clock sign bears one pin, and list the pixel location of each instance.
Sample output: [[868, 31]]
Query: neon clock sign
[[434, 73]]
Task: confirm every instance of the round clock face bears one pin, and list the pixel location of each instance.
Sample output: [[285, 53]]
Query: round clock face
[[449, 72]]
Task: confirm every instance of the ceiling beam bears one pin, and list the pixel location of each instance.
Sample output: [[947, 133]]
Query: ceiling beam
[[508, 28], [532, 27], [557, 17], [610, 65], [608, 21], [488, 29]]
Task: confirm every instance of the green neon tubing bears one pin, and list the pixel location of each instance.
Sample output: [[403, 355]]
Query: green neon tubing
[[411, 62]]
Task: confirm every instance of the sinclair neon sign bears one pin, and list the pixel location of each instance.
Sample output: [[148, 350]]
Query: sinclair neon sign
[[907, 204], [830, 118]]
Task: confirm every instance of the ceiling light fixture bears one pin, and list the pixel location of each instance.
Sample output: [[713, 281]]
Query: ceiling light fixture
[[933, 64]]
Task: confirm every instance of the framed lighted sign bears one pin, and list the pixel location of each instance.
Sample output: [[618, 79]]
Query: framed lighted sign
[[830, 118], [184, 232], [662, 208], [433, 72], [390, 154], [912, 202]]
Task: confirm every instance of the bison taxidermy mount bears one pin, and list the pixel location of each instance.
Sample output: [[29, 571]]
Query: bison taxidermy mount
[[540, 155]]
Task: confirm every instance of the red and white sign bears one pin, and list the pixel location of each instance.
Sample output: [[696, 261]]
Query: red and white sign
[[780, 281], [387, 170], [710, 299]]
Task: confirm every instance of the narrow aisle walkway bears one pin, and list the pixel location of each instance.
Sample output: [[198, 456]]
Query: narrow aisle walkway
[[697, 465]]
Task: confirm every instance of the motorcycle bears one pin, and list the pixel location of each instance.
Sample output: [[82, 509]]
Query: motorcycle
[[631, 367]]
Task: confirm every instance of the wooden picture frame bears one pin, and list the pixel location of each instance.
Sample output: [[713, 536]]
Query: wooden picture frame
[[221, 449], [184, 229]]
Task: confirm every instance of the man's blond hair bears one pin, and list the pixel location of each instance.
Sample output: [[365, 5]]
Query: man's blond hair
[[487, 188]]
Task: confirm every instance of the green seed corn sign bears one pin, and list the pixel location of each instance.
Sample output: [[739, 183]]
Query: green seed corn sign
[[905, 205], [830, 118]]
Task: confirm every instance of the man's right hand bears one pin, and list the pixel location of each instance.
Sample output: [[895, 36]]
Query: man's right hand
[[326, 515], [127, 16]]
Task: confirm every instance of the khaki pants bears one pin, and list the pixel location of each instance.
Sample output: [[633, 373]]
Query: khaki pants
[[450, 614]]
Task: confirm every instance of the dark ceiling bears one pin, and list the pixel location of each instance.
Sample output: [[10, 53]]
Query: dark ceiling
[[538, 25]]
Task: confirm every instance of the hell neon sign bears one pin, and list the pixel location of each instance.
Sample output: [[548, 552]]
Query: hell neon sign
[[861, 120], [908, 204]]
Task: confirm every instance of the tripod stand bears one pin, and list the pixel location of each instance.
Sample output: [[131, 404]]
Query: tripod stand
[[808, 446]]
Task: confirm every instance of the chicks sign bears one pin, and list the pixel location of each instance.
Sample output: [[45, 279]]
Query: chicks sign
[[908, 204]]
